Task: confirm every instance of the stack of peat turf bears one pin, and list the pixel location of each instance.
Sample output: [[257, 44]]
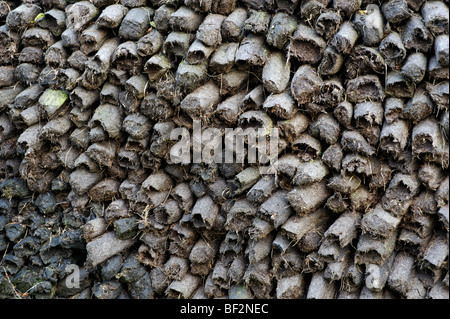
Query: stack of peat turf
[[93, 203]]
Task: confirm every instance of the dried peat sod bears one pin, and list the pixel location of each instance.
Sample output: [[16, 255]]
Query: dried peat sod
[[355, 207]]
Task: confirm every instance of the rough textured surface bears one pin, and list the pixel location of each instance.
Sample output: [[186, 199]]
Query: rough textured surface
[[355, 207]]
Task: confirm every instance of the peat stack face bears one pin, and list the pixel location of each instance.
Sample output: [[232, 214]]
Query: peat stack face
[[122, 167]]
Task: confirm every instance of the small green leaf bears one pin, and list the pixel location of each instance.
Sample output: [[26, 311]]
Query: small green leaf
[[153, 24], [38, 17]]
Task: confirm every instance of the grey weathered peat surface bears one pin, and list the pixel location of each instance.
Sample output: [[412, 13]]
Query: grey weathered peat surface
[[92, 205]]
